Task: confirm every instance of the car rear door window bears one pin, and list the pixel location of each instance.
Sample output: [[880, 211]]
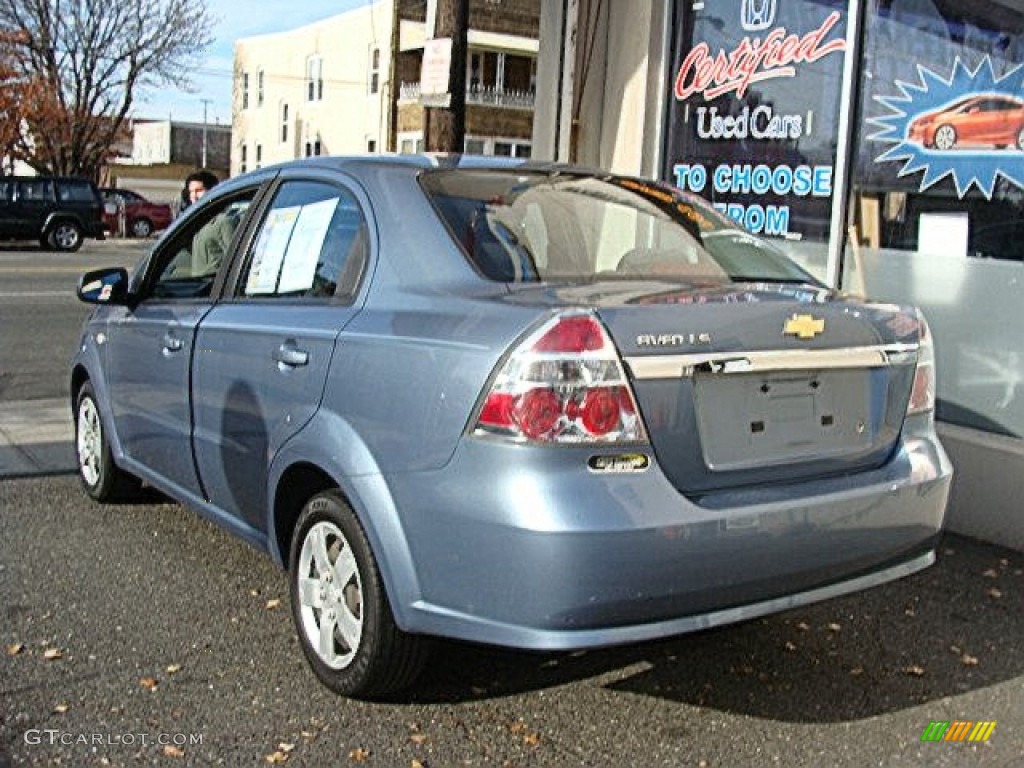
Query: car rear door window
[[35, 190], [79, 191], [312, 243]]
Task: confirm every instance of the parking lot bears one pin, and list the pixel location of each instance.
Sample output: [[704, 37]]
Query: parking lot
[[142, 634], [125, 625]]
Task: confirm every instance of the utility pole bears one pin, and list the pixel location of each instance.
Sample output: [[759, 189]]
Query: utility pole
[[205, 103], [446, 127]]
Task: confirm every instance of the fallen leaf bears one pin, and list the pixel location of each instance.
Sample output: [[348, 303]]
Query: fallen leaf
[[170, 750], [61, 708], [833, 627], [149, 683], [415, 764], [418, 738], [359, 755], [172, 668], [517, 727], [276, 757], [285, 747], [993, 592], [531, 739], [790, 646], [915, 670], [14, 649], [803, 626], [52, 653], [272, 604], [968, 660], [955, 649], [857, 671], [991, 573]]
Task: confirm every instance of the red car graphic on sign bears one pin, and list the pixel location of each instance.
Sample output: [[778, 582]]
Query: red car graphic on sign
[[987, 120]]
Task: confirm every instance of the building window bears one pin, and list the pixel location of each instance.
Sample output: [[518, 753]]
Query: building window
[[259, 155], [375, 70], [371, 145], [316, 148], [410, 143], [259, 88], [314, 78], [284, 123], [512, 149], [243, 159], [475, 146], [245, 90]]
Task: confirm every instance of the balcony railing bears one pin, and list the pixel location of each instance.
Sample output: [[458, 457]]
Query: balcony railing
[[485, 96]]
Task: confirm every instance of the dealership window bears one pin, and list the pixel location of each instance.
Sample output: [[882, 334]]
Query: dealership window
[[937, 205], [243, 159], [314, 78], [245, 90], [259, 155], [284, 122], [374, 70], [259, 88]]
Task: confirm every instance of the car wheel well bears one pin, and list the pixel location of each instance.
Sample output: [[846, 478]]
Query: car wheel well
[[297, 485], [78, 377]]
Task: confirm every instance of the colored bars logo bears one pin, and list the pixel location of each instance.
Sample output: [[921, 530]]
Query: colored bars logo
[[958, 730]]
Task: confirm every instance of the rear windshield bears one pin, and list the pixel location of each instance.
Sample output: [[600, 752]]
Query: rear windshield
[[537, 226]]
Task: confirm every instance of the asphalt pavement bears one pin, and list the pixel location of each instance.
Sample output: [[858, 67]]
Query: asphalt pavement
[[125, 625]]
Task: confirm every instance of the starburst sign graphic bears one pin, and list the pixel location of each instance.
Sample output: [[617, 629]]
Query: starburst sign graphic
[[936, 127]]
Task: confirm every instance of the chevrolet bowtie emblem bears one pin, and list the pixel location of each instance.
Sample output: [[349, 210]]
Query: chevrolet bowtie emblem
[[803, 326]]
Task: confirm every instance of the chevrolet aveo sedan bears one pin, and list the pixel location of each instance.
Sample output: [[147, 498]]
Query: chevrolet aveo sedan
[[525, 405]]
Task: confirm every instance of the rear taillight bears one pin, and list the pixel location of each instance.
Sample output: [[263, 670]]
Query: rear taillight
[[922, 396], [563, 384]]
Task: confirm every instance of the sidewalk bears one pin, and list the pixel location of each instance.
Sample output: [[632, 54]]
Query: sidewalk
[[36, 438]]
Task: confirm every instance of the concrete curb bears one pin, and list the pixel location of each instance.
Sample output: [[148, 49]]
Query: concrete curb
[[36, 438]]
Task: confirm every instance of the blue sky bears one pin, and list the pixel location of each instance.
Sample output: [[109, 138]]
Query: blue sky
[[212, 71]]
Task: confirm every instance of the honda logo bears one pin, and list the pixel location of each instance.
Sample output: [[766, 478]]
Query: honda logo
[[756, 15]]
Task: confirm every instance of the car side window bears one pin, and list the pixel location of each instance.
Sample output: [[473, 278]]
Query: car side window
[[75, 191], [187, 266], [35, 191], [312, 243]]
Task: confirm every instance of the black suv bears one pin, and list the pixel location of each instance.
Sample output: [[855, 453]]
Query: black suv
[[58, 212]]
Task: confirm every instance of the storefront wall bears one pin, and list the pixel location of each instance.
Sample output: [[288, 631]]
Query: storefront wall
[[905, 212]]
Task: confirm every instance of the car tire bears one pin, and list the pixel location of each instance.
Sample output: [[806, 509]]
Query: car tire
[[141, 228], [945, 137], [101, 478], [341, 612], [65, 236]]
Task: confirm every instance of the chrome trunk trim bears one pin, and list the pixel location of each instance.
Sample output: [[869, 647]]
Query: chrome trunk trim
[[770, 360]]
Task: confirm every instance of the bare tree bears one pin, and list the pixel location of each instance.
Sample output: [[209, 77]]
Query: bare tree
[[77, 66]]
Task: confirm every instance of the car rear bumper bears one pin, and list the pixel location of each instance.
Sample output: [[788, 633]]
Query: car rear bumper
[[526, 548]]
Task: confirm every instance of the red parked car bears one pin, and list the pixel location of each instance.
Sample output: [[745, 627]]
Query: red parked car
[[141, 217], [995, 120]]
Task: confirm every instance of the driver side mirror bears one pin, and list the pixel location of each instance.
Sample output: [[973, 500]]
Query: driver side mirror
[[104, 286]]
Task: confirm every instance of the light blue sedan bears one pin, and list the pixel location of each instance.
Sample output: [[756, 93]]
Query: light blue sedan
[[526, 405]]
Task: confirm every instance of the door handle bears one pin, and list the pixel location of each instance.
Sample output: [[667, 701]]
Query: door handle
[[172, 344], [290, 355]]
